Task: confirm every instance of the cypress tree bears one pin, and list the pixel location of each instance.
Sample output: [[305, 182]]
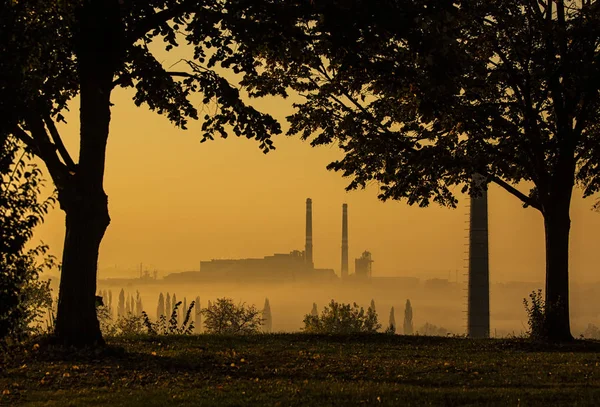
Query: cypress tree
[[408, 319], [160, 310], [110, 305], [267, 318], [138, 304], [121, 308], [392, 325], [314, 312], [128, 305], [198, 316], [372, 306], [168, 307]]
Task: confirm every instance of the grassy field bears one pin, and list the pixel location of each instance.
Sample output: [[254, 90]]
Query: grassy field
[[304, 370]]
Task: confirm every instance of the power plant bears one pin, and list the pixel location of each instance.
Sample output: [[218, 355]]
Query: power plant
[[293, 266]]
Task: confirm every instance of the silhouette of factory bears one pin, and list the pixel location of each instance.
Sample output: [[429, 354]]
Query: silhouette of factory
[[280, 267]]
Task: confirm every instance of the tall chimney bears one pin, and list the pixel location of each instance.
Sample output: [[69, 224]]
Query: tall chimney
[[478, 315], [344, 241], [308, 253]]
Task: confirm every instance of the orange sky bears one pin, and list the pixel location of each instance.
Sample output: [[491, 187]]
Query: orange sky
[[174, 202]]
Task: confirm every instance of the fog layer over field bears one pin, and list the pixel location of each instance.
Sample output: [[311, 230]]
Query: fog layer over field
[[437, 301]]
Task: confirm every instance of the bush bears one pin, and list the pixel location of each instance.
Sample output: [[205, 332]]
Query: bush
[[432, 330], [591, 332], [536, 315], [225, 317], [23, 297], [132, 324], [342, 319]]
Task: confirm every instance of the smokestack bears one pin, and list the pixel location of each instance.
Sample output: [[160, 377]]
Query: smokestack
[[344, 241], [308, 250], [478, 315]]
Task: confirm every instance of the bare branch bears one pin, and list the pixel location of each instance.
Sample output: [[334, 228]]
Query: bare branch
[[41, 145], [58, 142], [514, 191], [26, 139]]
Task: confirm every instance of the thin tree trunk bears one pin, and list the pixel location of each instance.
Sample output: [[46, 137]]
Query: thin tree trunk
[[557, 224]]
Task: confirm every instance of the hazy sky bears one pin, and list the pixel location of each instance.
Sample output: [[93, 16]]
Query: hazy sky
[[174, 201]]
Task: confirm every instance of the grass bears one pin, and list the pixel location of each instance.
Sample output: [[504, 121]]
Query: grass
[[303, 370]]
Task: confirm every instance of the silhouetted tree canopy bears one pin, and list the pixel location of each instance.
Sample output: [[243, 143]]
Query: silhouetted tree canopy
[[55, 50], [420, 95]]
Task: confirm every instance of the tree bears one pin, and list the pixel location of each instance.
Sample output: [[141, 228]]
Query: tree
[[110, 307], [314, 312], [160, 309], [408, 319], [372, 306], [139, 306], [420, 96], [121, 310], [168, 306], [128, 305], [96, 47], [432, 330], [342, 318], [23, 296], [198, 315], [392, 324], [225, 317], [266, 317]]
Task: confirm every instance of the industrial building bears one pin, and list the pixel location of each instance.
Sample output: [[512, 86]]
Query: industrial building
[[280, 267]]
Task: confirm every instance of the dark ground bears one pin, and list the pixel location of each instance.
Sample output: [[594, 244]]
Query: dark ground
[[303, 370]]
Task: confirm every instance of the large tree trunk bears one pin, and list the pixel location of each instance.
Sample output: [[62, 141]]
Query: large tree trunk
[[76, 322], [557, 224], [83, 198]]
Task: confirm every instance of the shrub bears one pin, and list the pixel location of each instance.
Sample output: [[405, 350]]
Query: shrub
[[107, 326], [172, 326], [23, 297], [591, 332], [339, 318], [432, 330], [225, 317], [536, 315]]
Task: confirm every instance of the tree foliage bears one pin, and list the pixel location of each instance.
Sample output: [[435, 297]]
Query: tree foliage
[[339, 318], [23, 296], [225, 317], [421, 95], [96, 46]]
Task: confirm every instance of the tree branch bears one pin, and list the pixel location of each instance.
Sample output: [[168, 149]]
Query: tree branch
[[58, 142], [41, 145], [514, 191], [26, 139]]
